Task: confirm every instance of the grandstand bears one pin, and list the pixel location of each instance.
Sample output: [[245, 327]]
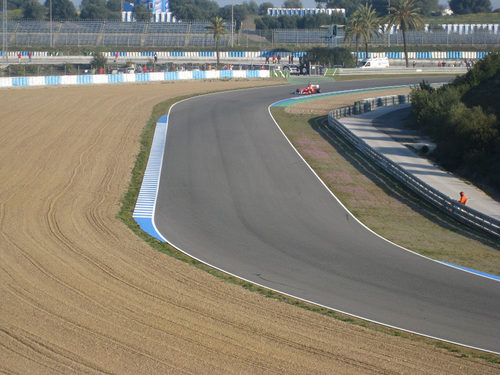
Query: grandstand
[[108, 33], [167, 28], [165, 40], [124, 27], [117, 39], [195, 34], [81, 27], [75, 39]]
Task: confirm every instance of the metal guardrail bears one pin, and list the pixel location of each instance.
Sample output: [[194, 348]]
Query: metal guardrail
[[402, 70], [441, 201]]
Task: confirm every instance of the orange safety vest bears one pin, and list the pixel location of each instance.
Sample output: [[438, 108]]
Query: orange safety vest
[[463, 199]]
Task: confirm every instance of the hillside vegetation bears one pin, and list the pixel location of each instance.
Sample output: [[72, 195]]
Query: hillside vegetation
[[463, 119]]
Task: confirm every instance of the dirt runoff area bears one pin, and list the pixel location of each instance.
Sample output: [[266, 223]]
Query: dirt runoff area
[[81, 294]]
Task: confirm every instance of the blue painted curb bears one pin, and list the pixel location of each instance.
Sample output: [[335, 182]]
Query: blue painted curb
[[146, 201], [476, 272]]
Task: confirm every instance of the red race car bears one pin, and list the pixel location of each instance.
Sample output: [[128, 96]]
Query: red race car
[[312, 88]]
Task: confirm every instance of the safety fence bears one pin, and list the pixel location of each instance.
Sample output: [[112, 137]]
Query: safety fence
[[251, 56], [394, 38], [434, 55], [171, 54], [127, 78], [444, 203]]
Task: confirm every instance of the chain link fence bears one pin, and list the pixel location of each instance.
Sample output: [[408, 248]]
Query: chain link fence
[[195, 34], [108, 33]]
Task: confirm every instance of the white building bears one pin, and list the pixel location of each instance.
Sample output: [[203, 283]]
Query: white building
[[301, 12], [160, 11]]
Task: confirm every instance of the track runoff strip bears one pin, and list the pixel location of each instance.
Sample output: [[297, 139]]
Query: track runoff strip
[[146, 201]]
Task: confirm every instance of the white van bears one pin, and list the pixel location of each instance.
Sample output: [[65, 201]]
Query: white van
[[374, 63]]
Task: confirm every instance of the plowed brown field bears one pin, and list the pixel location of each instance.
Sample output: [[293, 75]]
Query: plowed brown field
[[80, 293]]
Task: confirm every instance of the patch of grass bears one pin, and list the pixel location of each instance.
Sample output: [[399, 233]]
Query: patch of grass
[[127, 208]]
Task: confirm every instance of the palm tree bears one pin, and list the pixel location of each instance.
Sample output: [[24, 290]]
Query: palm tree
[[217, 28], [354, 30], [370, 24], [404, 14]]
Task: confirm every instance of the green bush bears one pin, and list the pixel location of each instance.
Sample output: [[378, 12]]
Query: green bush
[[462, 118], [329, 57], [98, 61]]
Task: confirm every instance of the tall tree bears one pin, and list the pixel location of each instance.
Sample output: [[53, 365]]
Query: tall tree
[[404, 14], [292, 4], [470, 6], [251, 6], [142, 13], [114, 5], [61, 9], [114, 8], [354, 30], [427, 7], [190, 10], [321, 3], [93, 9], [217, 29], [33, 10], [16, 4], [370, 24], [239, 12], [263, 8]]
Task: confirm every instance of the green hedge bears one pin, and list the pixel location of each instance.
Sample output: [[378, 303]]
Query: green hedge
[[463, 119]]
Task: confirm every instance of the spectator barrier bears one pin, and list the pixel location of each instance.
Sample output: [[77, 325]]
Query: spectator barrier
[[434, 55], [124, 78], [444, 203], [251, 56]]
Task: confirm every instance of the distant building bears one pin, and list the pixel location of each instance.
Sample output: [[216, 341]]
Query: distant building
[[464, 29], [492, 28], [446, 12], [301, 12], [160, 11]]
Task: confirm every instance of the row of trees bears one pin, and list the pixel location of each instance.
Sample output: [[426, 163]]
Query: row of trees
[[202, 10], [364, 24], [427, 7], [463, 119], [64, 9]]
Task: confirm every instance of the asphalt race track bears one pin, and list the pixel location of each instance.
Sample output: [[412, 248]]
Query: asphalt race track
[[237, 196]]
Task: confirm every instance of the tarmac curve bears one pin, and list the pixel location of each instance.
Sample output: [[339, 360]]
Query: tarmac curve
[[235, 195]]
